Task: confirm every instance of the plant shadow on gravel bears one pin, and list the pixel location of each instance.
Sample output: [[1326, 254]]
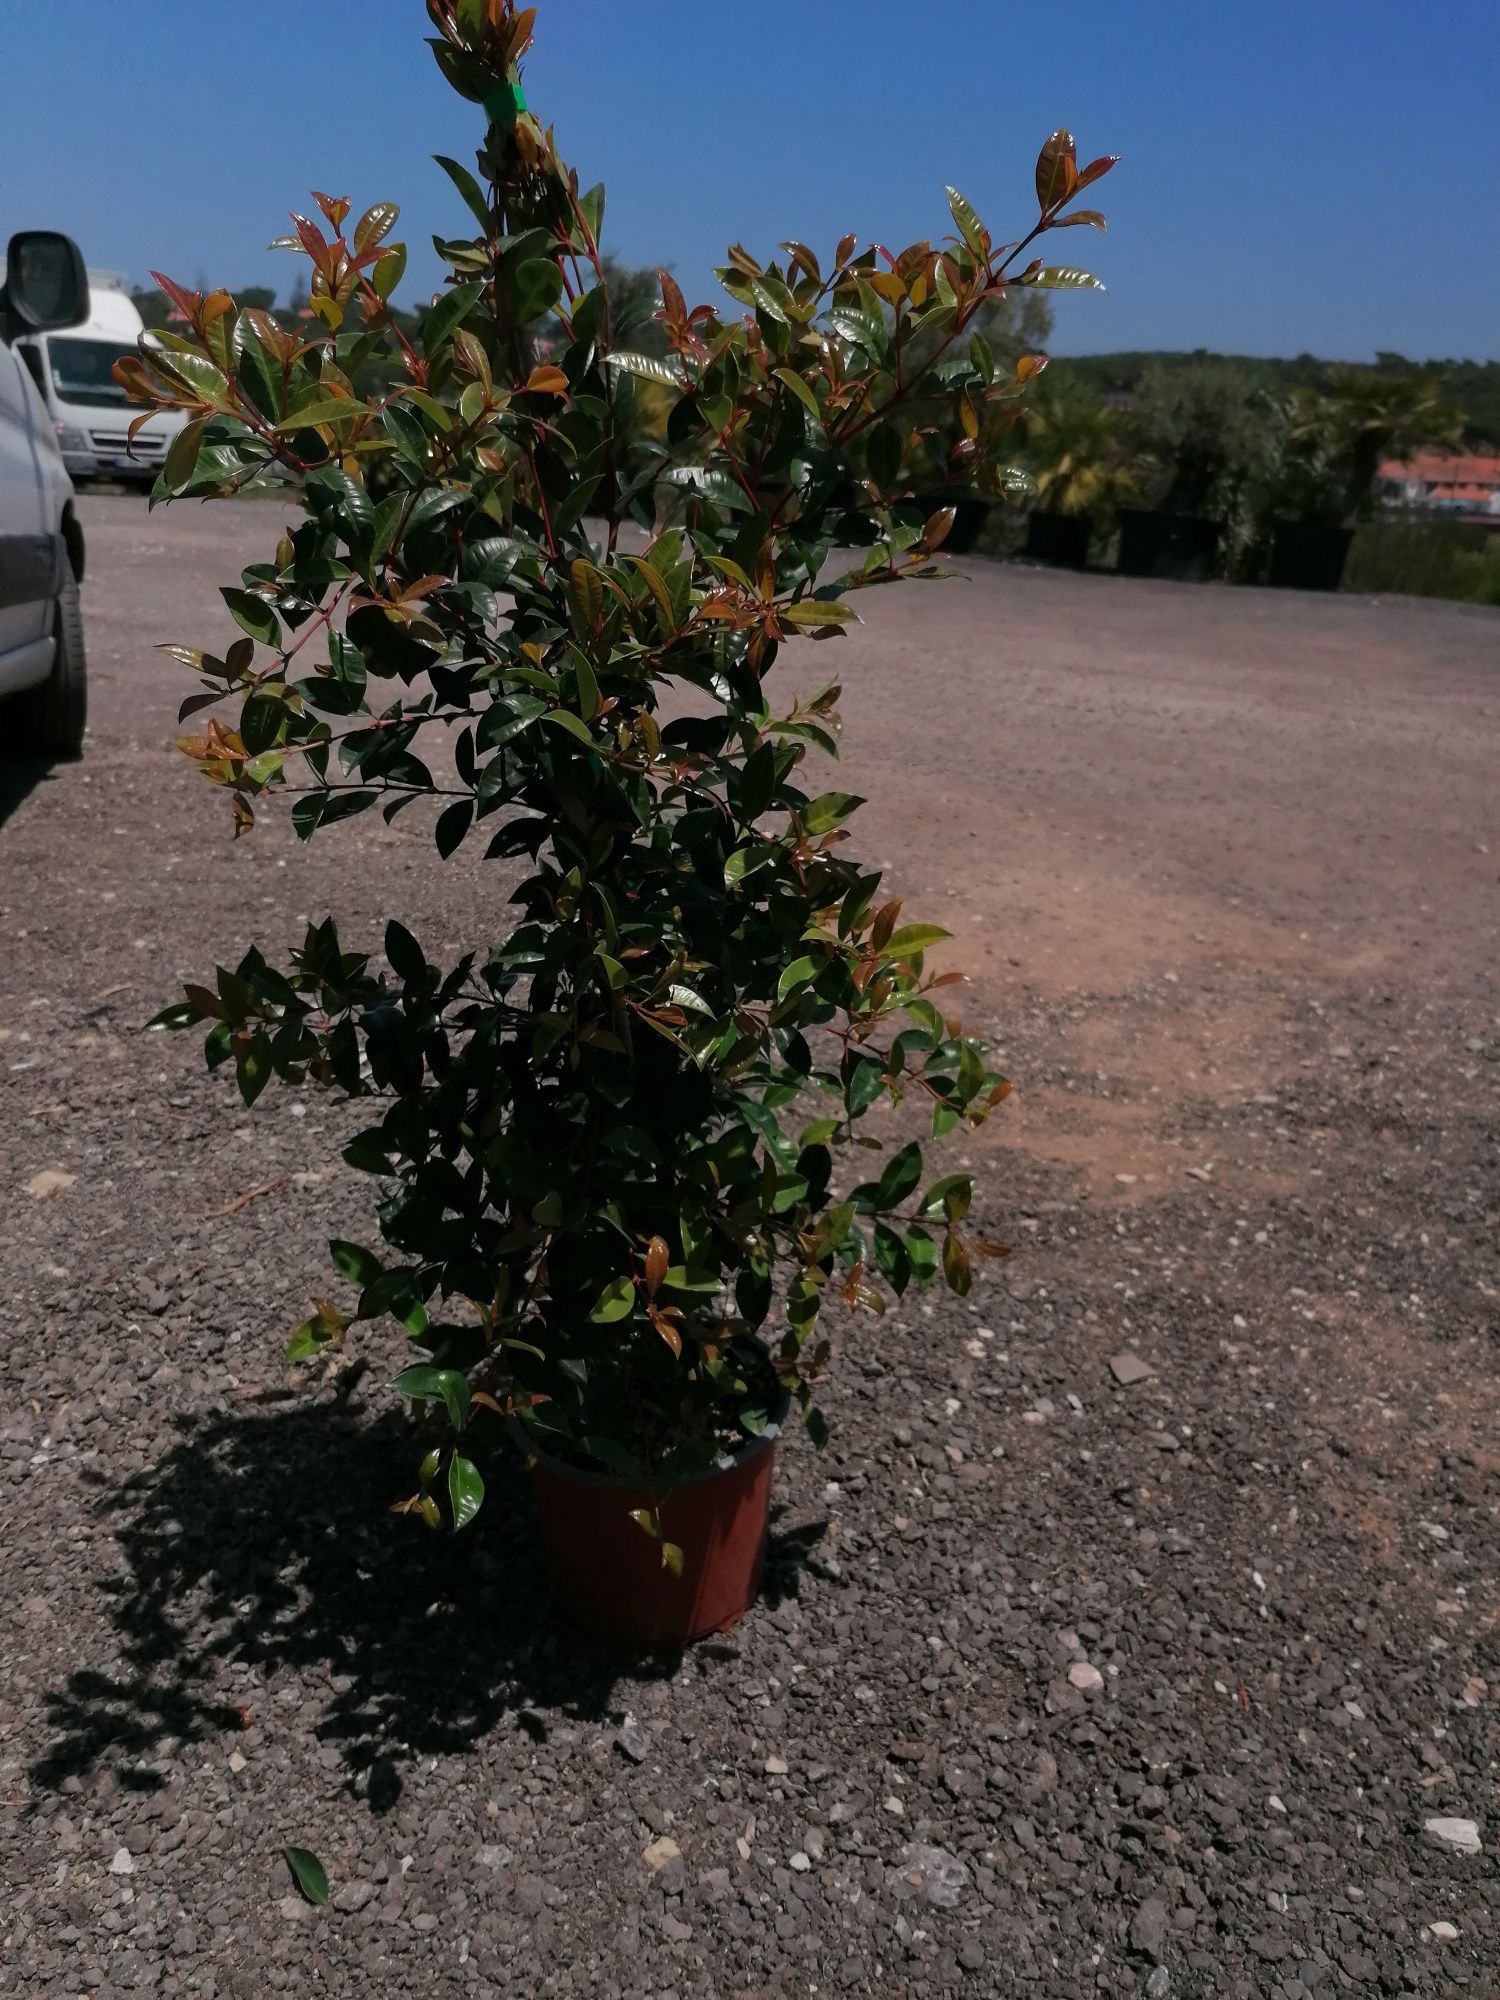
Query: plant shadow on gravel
[[257, 1540]]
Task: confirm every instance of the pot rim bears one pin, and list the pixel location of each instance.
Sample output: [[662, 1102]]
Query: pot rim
[[620, 1482]]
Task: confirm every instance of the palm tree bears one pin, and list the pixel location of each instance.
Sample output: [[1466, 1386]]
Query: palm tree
[[1361, 417], [1077, 457]]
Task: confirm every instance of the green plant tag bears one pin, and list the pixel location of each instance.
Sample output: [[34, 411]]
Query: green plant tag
[[505, 104]]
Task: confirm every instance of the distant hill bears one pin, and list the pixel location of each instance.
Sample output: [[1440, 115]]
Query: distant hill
[[1473, 386]]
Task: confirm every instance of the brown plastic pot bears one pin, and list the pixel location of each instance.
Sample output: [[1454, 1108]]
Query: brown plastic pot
[[607, 1573]]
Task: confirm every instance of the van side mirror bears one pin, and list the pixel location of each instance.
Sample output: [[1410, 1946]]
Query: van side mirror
[[46, 285]]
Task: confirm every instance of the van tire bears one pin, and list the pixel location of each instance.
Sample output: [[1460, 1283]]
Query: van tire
[[48, 720]]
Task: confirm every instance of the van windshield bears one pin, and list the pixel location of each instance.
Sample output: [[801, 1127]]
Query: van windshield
[[81, 371]]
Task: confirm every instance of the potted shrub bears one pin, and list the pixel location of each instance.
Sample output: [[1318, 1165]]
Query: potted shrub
[[1335, 439], [1198, 421], [618, 1141], [1080, 475]]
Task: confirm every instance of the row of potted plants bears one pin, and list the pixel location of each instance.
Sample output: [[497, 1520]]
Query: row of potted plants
[[1200, 473]]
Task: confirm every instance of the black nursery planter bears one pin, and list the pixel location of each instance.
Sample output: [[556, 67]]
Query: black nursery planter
[[1308, 557], [1179, 548], [1059, 539]]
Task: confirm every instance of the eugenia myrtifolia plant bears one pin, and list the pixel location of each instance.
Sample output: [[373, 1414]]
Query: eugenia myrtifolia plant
[[610, 1137]]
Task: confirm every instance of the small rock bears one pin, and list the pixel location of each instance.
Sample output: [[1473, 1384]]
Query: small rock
[[662, 1852], [1462, 1835], [293, 1909], [353, 1895], [1159, 1985], [1149, 1927], [1443, 1931], [677, 1930], [776, 1767], [1086, 1677], [801, 1863], [1127, 1180], [907, 1753], [1128, 1368], [1165, 1441], [237, 1763], [628, 1737], [49, 1182], [123, 1862], [934, 1873]]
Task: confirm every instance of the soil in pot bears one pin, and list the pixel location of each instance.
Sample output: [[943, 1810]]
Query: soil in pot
[[1179, 548], [1060, 539], [1308, 557], [607, 1573]]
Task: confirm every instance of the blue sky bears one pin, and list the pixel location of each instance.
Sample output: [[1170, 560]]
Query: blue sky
[[1315, 175]]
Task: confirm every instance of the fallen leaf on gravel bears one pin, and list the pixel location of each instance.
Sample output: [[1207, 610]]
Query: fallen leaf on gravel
[[308, 1873], [250, 1194], [1475, 1690], [50, 1181], [661, 1852]]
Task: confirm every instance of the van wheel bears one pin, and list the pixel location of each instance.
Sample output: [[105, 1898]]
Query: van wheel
[[48, 720]]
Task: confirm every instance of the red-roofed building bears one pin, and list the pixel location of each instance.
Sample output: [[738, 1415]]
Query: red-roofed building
[[1454, 482]]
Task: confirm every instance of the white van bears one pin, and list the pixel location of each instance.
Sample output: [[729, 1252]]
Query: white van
[[75, 373], [43, 689]]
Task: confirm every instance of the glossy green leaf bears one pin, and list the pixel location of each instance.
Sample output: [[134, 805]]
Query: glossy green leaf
[[615, 1302], [355, 1262], [430, 1385], [801, 972], [649, 368], [912, 938], [1061, 278], [564, 718], [969, 226], [465, 1491], [253, 615], [828, 810], [469, 188], [900, 1175], [789, 379], [535, 288], [452, 308]]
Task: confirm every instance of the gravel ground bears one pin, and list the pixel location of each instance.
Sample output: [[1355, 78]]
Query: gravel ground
[[1063, 1684]]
